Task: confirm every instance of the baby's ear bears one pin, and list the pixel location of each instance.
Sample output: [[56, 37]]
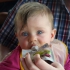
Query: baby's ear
[[53, 33]]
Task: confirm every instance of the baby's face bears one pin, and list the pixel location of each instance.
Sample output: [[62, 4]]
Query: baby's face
[[37, 31]]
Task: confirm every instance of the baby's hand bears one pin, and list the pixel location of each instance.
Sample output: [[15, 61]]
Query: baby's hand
[[28, 64], [42, 65], [39, 64]]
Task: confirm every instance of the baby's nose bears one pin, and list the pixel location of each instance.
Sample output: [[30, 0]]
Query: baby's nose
[[32, 38]]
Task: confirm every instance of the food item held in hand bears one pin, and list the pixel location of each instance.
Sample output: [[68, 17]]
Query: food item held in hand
[[44, 51]]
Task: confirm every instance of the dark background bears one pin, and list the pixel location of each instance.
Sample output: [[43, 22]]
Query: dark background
[[5, 6]]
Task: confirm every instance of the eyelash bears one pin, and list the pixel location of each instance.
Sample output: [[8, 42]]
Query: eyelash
[[39, 32], [26, 33]]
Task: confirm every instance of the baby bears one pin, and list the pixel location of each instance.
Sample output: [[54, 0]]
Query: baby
[[34, 27]]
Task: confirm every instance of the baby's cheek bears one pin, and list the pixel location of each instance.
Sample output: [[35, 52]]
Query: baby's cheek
[[44, 40], [24, 44]]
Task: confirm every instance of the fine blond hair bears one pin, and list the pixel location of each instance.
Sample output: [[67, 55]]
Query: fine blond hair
[[30, 9]]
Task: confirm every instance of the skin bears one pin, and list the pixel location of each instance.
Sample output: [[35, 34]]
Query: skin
[[39, 64], [37, 31]]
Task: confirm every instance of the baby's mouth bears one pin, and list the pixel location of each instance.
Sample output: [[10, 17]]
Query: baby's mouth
[[35, 48], [32, 45]]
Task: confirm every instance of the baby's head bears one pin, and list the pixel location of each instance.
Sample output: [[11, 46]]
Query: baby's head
[[34, 25]]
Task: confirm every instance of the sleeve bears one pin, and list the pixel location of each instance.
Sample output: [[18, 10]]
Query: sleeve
[[60, 51], [12, 60], [67, 64]]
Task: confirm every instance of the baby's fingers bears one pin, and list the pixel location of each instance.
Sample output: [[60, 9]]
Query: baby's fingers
[[29, 63], [57, 65], [41, 64], [24, 64]]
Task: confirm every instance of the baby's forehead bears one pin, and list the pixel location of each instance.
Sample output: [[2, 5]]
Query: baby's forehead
[[35, 19], [35, 28]]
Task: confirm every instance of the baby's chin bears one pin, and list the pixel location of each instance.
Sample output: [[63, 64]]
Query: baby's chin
[[44, 51]]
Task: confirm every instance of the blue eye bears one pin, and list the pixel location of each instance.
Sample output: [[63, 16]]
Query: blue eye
[[25, 34], [39, 32]]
